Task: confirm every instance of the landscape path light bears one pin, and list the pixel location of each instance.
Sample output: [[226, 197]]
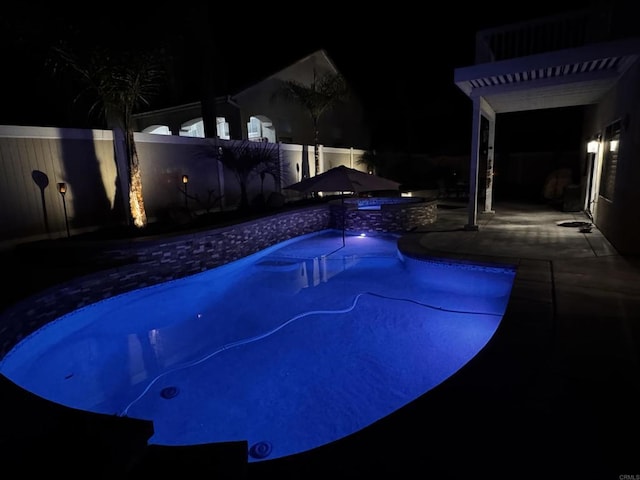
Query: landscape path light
[[62, 188], [185, 181]]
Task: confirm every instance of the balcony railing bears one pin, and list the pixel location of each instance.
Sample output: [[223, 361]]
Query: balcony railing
[[570, 30]]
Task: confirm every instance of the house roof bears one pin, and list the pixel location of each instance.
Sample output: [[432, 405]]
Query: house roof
[[318, 55], [229, 97]]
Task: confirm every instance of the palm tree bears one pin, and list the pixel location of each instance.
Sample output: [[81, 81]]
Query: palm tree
[[378, 163], [248, 160], [319, 97], [120, 81]]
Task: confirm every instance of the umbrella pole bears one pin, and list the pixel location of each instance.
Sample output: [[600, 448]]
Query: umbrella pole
[[344, 213]]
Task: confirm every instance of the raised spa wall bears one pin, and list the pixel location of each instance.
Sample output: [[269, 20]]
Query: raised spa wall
[[382, 214], [143, 263]]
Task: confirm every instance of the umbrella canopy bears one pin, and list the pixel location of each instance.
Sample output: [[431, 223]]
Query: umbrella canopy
[[344, 179]]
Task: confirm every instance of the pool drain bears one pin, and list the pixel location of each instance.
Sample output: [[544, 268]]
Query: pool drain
[[169, 392], [260, 450], [575, 224]]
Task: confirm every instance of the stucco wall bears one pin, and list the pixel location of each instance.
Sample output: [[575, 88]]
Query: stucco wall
[[619, 219]]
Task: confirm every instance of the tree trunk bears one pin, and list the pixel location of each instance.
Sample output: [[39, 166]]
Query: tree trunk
[[136, 197], [127, 166], [122, 169], [244, 197], [316, 150]]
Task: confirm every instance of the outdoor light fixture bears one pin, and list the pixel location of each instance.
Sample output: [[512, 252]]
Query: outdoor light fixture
[[613, 145], [592, 146], [185, 180], [62, 188]]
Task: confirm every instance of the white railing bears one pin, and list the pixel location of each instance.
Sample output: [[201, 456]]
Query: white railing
[[569, 30]]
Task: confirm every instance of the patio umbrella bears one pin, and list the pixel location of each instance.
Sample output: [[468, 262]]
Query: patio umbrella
[[344, 179]]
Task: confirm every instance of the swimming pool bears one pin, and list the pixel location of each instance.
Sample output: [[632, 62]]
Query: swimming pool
[[292, 348]]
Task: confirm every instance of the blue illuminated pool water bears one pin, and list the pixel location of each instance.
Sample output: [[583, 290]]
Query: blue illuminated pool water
[[289, 349]]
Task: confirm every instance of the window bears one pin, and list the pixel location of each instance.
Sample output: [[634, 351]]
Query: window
[[222, 128], [254, 130], [157, 130], [192, 128], [610, 160]]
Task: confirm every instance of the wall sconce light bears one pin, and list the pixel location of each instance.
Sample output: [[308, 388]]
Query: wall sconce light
[[62, 189], [185, 181], [613, 145], [592, 146]]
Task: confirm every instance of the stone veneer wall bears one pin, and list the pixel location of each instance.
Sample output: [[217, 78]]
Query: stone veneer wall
[[152, 262], [402, 214]]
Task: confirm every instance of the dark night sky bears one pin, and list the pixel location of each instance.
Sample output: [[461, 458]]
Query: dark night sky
[[397, 57]]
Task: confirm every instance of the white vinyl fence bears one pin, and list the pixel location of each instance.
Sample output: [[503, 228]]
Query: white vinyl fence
[[34, 160]]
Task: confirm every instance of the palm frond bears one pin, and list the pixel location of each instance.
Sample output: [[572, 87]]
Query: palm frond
[[318, 97]]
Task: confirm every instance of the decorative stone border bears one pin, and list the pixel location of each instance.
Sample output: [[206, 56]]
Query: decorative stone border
[[385, 214]]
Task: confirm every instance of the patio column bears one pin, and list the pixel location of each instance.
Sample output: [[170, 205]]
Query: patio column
[[488, 192], [473, 167]]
